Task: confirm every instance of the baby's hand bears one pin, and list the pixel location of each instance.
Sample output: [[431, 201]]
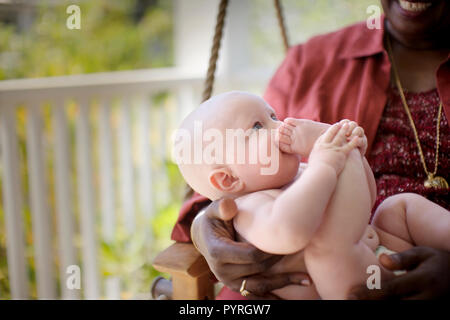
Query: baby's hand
[[356, 131], [333, 146], [298, 135]]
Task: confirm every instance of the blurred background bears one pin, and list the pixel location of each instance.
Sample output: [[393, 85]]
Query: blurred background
[[86, 117]]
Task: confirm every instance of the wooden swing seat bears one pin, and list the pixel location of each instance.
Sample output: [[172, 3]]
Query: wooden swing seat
[[190, 274]]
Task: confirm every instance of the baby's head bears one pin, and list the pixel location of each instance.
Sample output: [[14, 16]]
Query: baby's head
[[226, 147]]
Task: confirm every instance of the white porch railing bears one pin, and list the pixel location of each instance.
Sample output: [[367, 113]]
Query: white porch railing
[[118, 133]]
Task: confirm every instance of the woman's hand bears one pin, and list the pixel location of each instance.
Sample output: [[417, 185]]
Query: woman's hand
[[231, 262], [428, 276]]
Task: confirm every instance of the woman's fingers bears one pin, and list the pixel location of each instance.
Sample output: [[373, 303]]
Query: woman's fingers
[[214, 237], [399, 287], [227, 251], [262, 285], [232, 271], [426, 269], [409, 259]]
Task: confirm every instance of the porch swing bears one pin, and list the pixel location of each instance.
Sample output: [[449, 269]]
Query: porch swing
[[190, 274]]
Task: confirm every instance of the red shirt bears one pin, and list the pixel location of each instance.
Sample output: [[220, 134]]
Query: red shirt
[[344, 74]]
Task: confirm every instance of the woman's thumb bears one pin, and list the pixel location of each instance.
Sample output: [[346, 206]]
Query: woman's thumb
[[227, 209]]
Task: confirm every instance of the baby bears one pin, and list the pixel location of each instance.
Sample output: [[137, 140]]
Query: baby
[[316, 214]]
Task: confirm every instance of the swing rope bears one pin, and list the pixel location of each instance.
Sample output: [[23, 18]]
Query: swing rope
[[281, 23], [220, 22], [218, 35]]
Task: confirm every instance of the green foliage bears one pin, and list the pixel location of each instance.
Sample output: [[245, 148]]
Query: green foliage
[[4, 283], [304, 19], [129, 256], [113, 36], [110, 39]]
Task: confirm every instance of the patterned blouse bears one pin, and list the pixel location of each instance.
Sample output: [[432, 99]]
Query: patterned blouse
[[394, 157]]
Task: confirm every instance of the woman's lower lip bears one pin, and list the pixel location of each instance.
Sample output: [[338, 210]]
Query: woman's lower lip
[[412, 9]]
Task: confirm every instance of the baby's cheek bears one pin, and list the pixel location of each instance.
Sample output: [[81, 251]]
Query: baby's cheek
[[250, 174]]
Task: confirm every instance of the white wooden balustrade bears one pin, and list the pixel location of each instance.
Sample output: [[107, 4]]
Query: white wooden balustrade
[[90, 185]]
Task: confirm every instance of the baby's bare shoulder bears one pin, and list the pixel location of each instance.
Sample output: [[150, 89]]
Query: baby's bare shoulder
[[257, 199]]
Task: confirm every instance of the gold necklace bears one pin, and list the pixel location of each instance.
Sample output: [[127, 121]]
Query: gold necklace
[[432, 180]]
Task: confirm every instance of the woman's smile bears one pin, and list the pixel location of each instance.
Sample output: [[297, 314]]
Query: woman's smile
[[412, 8]]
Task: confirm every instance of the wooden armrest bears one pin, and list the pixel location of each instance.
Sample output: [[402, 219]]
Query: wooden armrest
[[191, 277]]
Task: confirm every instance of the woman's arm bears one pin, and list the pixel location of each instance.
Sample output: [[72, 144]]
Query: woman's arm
[[231, 262]]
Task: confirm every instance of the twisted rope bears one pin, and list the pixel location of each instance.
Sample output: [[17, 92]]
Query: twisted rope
[[209, 82], [218, 32], [282, 24]]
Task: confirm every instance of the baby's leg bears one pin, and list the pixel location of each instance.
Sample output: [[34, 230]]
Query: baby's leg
[[336, 258], [408, 219]]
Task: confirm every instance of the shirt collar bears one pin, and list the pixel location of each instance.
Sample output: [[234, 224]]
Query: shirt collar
[[366, 42]]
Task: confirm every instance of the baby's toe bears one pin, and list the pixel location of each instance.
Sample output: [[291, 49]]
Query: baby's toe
[[286, 129], [284, 138], [291, 121], [285, 147]]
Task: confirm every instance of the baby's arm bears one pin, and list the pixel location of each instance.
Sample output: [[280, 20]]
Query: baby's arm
[[285, 224]]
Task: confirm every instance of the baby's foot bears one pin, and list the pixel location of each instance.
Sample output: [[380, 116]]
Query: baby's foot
[[285, 137], [298, 135]]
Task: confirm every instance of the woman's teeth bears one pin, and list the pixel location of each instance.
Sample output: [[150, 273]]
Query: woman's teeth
[[414, 6]]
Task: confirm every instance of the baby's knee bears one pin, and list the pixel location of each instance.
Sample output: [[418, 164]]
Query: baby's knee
[[394, 205]]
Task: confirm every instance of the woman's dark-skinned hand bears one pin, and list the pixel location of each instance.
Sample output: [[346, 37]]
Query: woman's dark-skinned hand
[[428, 276], [231, 262]]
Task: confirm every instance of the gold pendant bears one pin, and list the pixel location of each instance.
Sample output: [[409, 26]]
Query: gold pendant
[[436, 182]]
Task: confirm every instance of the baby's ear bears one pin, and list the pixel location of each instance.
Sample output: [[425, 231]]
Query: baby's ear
[[223, 180]]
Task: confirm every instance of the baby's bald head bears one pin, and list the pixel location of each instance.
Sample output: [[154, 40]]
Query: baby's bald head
[[217, 113], [226, 147]]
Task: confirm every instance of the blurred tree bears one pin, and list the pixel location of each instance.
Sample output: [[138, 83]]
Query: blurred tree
[[114, 35], [304, 19]]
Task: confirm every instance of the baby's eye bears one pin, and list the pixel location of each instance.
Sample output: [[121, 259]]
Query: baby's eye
[[257, 125], [274, 117]]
